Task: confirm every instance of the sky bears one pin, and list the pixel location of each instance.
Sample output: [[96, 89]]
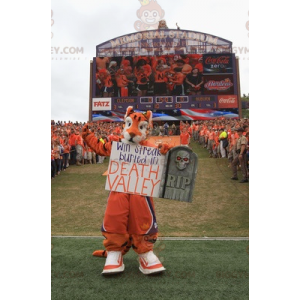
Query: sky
[[78, 26]]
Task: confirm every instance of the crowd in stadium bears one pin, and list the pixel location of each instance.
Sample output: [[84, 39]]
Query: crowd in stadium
[[149, 75], [223, 138]]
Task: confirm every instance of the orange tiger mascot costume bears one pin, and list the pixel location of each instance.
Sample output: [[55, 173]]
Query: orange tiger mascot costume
[[129, 219]]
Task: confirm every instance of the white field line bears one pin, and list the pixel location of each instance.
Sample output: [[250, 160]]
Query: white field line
[[167, 238]]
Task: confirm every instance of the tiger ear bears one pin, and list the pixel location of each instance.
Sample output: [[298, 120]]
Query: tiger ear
[[149, 117], [128, 111]]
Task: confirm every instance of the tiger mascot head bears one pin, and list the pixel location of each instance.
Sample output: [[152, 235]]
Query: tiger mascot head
[[136, 126], [135, 131]]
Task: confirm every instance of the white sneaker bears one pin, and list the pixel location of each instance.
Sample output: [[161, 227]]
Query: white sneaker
[[114, 263], [149, 263]]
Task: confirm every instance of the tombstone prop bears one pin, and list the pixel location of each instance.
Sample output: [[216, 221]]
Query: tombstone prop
[[179, 174]]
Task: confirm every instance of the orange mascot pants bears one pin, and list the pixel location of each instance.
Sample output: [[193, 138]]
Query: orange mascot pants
[[129, 216]]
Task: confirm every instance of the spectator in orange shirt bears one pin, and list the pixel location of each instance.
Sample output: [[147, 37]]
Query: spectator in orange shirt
[[72, 139], [190, 130], [206, 132], [79, 149], [142, 74], [160, 80], [193, 129], [181, 126], [196, 135], [56, 155], [199, 65], [210, 142], [202, 135], [89, 155], [118, 129], [122, 83], [67, 147], [216, 151], [184, 138], [54, 136], [184, 67]]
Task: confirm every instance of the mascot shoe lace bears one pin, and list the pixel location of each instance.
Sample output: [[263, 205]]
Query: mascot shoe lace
[[150, 264], [114, 263]]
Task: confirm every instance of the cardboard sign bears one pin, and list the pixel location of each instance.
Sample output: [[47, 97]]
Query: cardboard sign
[[179, 174], [134, 169]]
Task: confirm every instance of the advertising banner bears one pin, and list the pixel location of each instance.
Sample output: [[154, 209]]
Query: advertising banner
[[101, 104], [217, 63], [218, 84], [227, 101]]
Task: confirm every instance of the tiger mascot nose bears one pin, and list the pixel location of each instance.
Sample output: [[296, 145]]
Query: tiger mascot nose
[[132, 134]]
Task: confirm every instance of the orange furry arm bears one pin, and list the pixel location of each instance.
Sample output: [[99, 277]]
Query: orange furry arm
[[97, 146]]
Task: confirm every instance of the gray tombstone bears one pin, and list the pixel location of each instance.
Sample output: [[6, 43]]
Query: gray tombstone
[[179, 174]]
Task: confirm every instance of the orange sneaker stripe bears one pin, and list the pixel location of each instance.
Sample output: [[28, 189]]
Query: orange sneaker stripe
[[152, 267], [112, 267], [155, 266]]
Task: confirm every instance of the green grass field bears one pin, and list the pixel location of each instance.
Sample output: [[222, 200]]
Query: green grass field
[[207, 270], [195, 269]]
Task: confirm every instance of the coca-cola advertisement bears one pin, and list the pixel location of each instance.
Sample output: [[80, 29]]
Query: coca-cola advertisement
[[227, 101], [217, 63], [218, 84]]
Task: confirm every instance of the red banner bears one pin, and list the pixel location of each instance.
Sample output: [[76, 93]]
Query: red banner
[[218, 84], [227, 101]]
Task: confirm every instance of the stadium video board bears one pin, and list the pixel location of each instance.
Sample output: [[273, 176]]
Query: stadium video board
[[163, 82]]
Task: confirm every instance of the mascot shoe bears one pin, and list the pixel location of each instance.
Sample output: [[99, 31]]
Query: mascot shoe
[[114, 263], [150, 264]]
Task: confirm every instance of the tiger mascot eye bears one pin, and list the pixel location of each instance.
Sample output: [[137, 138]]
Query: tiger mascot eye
[[129, 219]]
